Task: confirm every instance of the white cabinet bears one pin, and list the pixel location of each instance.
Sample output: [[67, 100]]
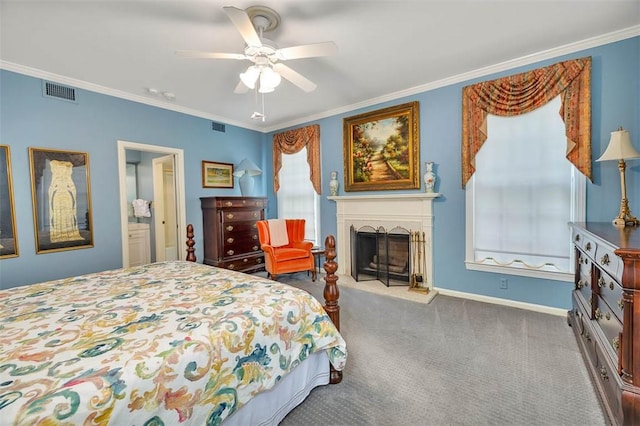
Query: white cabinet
[[139, 244]]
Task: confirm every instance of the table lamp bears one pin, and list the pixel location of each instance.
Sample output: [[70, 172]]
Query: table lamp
[[620, 148], [246, 170]]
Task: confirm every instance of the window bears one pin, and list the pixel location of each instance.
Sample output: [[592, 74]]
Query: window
[[522, 196], [296, 197]]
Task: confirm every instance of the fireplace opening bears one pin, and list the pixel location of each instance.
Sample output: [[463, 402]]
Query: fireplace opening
[[380, 254]]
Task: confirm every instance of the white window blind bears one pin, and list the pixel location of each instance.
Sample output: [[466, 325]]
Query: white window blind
[[522, 196], [296, 196]]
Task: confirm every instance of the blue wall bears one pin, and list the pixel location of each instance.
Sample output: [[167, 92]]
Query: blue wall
[[98, 121], [615, 95], [94, 125]]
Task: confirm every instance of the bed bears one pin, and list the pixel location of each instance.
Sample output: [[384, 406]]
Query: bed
[[165, 344]]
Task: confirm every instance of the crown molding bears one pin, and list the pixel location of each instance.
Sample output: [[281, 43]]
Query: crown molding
[[80, 84], [481, 72]]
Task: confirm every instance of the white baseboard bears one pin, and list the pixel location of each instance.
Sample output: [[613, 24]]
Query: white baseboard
[[505, 302]]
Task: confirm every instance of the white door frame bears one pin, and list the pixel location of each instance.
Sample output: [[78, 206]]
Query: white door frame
[[181, 214]]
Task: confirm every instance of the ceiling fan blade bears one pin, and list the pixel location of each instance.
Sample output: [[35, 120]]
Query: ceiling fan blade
[[241, 88], [244, 25], [326, 48], [209, 55], [295, 77]]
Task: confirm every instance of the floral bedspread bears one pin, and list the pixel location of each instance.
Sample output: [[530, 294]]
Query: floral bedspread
[[162, 344]]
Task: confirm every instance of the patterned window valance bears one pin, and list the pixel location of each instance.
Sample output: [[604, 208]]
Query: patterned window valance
[[522, 93], [293, 141]]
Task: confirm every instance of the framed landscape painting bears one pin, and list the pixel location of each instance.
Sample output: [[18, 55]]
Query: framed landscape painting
[[8, 236], [60, 193], [217, 175], [381, 149]]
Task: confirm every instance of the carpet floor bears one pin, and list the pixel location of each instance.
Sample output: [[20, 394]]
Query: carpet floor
[[450, 362]]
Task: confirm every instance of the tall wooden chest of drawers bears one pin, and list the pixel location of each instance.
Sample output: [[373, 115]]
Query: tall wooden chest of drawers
[[230, 232], [606, 314]]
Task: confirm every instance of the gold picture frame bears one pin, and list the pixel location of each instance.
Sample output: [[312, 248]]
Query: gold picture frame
[[8, 232], [382, 149], [217, 175], [61, 197]]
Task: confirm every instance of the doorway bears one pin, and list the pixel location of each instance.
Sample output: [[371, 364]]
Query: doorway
[[169, 215]]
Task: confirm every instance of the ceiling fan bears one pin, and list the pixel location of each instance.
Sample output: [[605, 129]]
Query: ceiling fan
[[267, 69]]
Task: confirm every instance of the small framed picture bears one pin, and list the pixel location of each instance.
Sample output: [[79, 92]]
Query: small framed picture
[[217, 175], [61, 196]]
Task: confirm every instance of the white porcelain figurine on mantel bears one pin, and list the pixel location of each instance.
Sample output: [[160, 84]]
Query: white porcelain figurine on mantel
[[429, 178], [334, 184]]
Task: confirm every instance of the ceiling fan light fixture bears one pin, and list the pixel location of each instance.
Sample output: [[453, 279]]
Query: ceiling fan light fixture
[[250, 76], [269, 79]]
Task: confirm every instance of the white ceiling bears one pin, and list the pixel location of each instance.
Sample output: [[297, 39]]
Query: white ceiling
[[386, 49]]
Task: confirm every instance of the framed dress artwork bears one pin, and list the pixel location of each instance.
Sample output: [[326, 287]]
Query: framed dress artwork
[[61, 198]]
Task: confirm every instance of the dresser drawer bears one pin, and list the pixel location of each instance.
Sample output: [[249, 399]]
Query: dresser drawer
[[231, 216], [610, 383], [247, 228], [611, 292], [606, 259], [240, 203], [610, 325], [244, 263], [585, 243], [239, 246], [583, 332], [583, 285]]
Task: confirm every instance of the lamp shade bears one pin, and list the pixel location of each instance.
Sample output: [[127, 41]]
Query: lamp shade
[[247, 167], [620, 147], [250, 76]]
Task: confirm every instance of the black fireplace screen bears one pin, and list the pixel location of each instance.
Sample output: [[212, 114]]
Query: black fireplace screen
[[380, 254]]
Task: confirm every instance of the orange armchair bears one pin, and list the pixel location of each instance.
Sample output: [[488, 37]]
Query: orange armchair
[[293, 257]]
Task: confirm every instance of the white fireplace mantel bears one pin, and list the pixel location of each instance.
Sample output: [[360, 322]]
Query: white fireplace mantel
[[413, 212]]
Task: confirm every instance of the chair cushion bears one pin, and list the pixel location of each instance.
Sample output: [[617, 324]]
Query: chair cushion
[[283, 254]]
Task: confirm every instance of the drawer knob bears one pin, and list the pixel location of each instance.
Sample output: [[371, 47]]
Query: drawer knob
[[259, 260], [255, 214], [255, 248], [231, 266], [598, 314], [607, 316], [228, 204], [601, 282], [230, 240], [230, 252], [229, 228], [604, 260], [245, 260], [230, 215], [603, 373], [611, 285], [615, 342], [581, 284], [620, 304], [587, 247], [577, 237], [255, 237]]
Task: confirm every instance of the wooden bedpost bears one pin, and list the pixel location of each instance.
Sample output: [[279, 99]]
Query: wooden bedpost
[[191, 255], [332, 294]]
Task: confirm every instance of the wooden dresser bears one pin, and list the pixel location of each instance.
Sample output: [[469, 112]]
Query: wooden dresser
[[606, 314], [230, 232]]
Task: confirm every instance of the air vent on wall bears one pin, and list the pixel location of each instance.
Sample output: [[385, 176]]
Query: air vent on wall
[[218, 127], [58, 91]]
